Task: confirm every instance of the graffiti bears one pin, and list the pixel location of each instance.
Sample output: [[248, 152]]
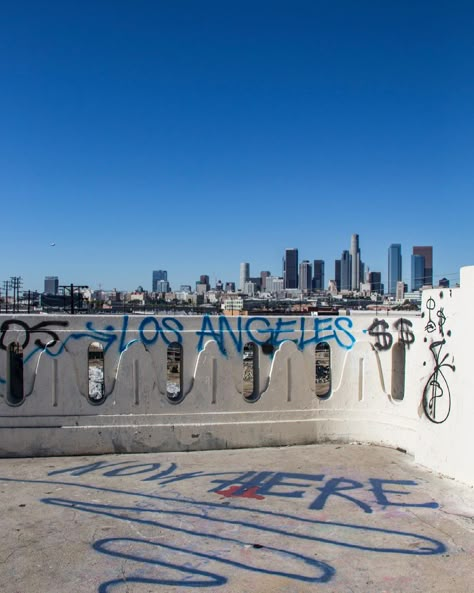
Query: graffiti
[[378, 329], [21, 328], [430, 327], [436, 394], [264, 332], [441, 320], [203, 542], [257, 485], [259, 330], [436, 399], [405, 332]]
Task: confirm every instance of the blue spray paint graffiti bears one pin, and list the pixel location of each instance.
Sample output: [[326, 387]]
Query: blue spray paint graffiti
[[218, 535], [251, 484], [259, 330], [262, 331]]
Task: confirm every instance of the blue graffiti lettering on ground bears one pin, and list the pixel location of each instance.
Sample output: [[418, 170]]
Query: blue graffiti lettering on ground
[[251, 484], [217, 535]]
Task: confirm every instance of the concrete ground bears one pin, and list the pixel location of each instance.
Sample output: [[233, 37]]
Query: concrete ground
[[329, 518]]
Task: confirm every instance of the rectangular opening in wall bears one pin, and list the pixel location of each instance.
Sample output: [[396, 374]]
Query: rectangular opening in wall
[[95, 363], [398, 371], [174, 372], [250, 372], [322, 369], [15, 388]]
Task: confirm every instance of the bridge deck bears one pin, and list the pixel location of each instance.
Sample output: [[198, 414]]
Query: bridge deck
[[329, 518]]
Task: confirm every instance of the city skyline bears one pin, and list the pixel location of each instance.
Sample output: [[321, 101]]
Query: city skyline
[[310, 275], [144, 137]]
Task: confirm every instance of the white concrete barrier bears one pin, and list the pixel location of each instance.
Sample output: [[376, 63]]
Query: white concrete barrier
[[395, 379]]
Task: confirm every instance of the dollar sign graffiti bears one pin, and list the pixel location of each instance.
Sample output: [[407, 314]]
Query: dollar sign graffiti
[[441, 320], [378, 328], [406, 335]]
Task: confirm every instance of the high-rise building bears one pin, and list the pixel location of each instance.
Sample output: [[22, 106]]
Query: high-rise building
[[305, 276], [400, 291], [201, 287], [426, 251], [158, 276], [318, 274], [417, 271], [230, 286], [274, 284], [337, 273], [244, 274], [257, 281], [264, 274], [204, 279], [355, 263], [250, 288], [290, 268], [51, 285], [394, 267], [375, 281], [162, 286], [346, 271]]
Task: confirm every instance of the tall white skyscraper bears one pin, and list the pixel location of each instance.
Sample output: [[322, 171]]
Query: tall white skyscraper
[[305, 276], [244, 275], [355, 263]]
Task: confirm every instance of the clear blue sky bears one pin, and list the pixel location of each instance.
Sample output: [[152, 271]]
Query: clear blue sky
[[194, 135]]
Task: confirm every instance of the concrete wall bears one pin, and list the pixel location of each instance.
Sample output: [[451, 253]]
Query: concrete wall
[[396, 379]]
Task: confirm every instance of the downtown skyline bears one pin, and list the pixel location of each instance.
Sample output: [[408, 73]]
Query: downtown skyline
[[318, 274], [165, 273], [139, 138]]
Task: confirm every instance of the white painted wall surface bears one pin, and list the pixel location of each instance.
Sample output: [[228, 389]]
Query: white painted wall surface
[[375, 359]]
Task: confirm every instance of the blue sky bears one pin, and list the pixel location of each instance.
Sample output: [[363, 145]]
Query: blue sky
[[194, 135]]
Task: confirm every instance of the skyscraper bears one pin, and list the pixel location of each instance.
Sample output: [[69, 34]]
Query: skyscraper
[[355, 263], [244, 274], [290, 268], [318, 274], [346, 271], [305, 276], [51, 285], [264, 274], [375, 280], [394, 267], [162, 286], [204, 279], [426, 251], [337, 273], [417, 271], [158, 276]]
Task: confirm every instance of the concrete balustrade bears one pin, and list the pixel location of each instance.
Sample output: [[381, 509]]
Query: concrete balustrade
[[97, 384]]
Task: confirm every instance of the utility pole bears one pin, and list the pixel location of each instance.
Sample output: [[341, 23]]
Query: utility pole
[[71, 288], [15, 283], [6, 286]]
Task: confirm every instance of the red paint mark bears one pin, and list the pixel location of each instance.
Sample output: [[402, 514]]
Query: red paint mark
[[247, 493]]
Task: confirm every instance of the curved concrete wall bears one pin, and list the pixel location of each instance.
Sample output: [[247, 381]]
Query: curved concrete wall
[[396, 379]]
